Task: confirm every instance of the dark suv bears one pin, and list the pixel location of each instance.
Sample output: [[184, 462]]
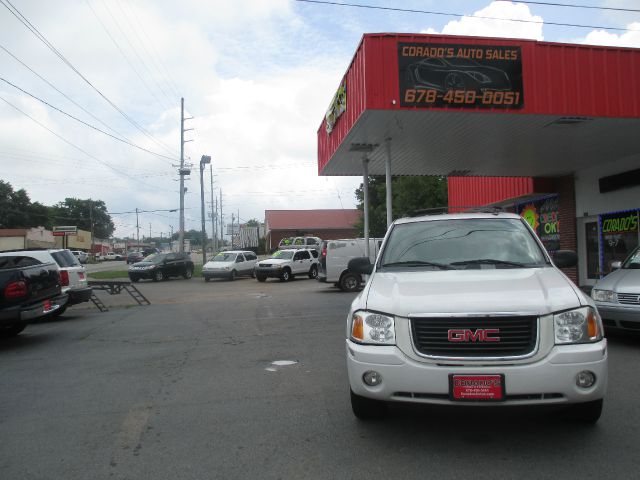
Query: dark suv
[[159, 266]]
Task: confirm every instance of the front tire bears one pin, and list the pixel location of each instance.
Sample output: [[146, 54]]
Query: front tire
[[135, 279], [206, 279], [367, 408], [232, 276], [261, 278], [285, 276], [587, 412], [188, 273], [349, 282], [158, 276], [313, 272]]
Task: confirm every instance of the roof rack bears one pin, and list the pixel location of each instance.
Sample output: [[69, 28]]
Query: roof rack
[[456, 209]]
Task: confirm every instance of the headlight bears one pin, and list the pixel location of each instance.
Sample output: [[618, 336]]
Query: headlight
[[603, 295], [375, 328], [581, 325]]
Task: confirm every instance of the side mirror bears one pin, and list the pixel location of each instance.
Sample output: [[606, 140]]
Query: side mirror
[[565, 258], [361, 265], [616, 265]]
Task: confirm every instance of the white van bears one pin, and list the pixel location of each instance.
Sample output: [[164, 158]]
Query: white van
[[334, 260]]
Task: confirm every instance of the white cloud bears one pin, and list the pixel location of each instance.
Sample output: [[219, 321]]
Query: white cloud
[[603, 37], [485, 27], [256, 104]]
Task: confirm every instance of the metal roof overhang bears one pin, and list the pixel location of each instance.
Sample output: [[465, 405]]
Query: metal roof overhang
[[480, 143]]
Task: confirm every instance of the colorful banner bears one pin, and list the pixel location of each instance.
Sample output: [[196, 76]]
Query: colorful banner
[[460, 76], [337, 107], [543, 217]]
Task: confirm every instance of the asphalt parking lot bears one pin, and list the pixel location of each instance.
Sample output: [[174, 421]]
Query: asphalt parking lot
[[247, 380]]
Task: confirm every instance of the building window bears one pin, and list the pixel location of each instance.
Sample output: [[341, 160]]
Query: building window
[[619, 236]]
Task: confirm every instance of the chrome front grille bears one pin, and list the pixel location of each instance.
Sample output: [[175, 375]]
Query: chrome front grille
[[629, 298], [517, 336]]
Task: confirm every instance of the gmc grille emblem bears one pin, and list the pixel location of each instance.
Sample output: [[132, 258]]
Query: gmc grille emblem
[[479, 335]]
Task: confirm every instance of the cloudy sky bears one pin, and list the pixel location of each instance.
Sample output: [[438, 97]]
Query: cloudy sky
[[256, 76]]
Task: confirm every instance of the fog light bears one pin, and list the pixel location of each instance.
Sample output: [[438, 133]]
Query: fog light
[[372, 378], [585, 379]]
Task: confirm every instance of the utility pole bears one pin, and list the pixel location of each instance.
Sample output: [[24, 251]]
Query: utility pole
[[171, 239], [221, 222], [137, 230], [182, 172], [232, 231], [213, 222], [91, 220], [149, 231]]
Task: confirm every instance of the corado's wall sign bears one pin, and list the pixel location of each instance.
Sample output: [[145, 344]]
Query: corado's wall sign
[[460, 76], [337, 107]]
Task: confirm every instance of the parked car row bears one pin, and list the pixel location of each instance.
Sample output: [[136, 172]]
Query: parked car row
[[38, 283]]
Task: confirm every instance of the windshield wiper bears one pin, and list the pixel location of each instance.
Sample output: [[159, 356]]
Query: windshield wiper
[[490, 261], [418, 263]]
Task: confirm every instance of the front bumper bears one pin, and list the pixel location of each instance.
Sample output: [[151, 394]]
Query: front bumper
[[269, 272], [619, 313], [551, 380], [216, 273], [80, 295], [141, 274]]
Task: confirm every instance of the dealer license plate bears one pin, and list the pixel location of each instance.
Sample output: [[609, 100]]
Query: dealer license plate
[[476, 388]]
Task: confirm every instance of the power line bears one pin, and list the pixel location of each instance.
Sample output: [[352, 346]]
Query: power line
[[85, 123], [168, 76], [113, 40], [569, 5], [74, 145], [61, 92], [17, 14], [153, 77], [461, 15]]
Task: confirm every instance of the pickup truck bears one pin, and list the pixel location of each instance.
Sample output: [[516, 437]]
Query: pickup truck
[[29, 290]]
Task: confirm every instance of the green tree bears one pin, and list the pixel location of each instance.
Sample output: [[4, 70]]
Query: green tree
[[194, 236], [410, 194], [17, 210], [74, 211]]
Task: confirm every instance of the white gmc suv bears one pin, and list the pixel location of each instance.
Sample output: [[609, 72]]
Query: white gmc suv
[[470, 309]]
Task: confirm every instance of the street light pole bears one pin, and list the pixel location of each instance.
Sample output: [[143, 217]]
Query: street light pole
[[203, 161]]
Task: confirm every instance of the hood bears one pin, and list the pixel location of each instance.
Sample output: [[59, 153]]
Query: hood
[[274, 261], [144, 264], [625, 280], [218, 265], [536, 291]]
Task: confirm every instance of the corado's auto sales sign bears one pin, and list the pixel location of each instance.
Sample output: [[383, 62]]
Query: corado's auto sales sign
[[460, 76]]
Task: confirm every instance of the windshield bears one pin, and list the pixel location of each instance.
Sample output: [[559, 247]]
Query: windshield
[[633, 260], [461, 244], [155, 258], [283, 254], [224, 257]]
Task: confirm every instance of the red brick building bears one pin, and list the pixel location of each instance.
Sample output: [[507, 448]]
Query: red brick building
[[327, 224]]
